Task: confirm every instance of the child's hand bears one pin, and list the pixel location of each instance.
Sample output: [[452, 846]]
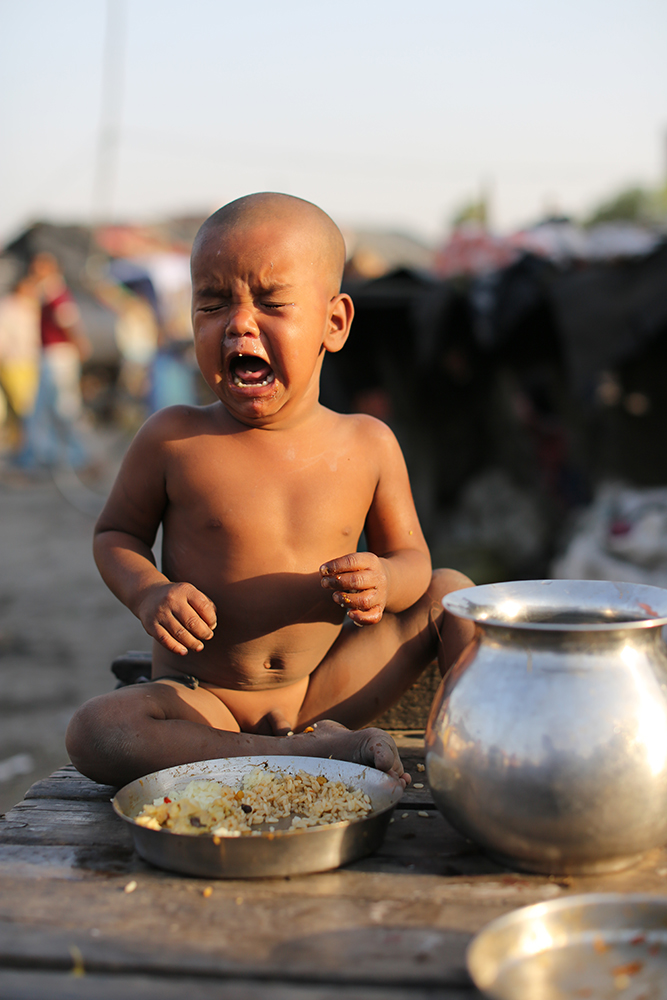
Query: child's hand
[[178, 615], [359, 582]]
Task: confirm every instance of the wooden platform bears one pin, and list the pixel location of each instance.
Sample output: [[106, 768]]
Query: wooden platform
[[392, 927]]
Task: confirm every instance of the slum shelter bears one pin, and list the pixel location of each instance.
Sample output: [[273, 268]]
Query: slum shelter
[[518, 392]]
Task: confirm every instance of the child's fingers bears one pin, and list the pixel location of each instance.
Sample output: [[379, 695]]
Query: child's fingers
[[364, 608], [180, 611], [350, 582], [185, 622], [182, 630], [344, 564], [206, 610], [363, 618], [168, 641], [350, 572], [359, 580], [362, 600], [193, 625]]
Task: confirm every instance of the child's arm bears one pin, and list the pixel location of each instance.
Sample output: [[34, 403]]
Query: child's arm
[[397, 569], [178, 615]]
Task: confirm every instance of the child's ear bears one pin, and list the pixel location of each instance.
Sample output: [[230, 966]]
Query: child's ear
[[341, 314]]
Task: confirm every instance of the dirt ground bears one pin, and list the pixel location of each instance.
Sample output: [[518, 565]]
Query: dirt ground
[[60, 627]]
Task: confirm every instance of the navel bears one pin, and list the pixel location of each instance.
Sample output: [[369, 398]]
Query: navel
[[274, 663], [214, 523]]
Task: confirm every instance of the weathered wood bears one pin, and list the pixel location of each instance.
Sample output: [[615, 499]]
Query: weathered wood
[[56, 861], [52, 821], [397, 922], [415, 844], [167, 925], [67, 783], [29, 985]]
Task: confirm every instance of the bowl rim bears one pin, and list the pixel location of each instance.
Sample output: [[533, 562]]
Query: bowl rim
[[476, 604]]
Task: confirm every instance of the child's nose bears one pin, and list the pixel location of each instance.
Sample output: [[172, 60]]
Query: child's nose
[[241, 322]]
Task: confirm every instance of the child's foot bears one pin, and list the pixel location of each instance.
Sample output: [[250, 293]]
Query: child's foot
[[372, 747]]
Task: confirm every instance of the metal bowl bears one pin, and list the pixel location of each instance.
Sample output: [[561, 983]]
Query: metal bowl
[[283, 852], [599, 945]]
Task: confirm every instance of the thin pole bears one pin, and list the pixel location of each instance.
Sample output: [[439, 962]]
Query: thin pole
[[106, 160]]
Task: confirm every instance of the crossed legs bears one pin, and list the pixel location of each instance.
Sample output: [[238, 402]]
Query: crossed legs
[[132, 731]]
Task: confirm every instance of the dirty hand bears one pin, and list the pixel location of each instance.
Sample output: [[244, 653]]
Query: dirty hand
[[359, 583], [178, 615]]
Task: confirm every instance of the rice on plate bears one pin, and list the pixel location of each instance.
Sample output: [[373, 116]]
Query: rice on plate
[[264, 800]]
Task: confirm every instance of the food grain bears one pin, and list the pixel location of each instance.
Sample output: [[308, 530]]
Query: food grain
[[264, 800]]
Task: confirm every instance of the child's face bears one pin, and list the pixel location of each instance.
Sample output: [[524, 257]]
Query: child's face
[[265, 309]]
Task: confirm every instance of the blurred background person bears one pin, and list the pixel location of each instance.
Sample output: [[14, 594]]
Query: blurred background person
[[20, 346], [52, 435], [173, 377], [136, 334]]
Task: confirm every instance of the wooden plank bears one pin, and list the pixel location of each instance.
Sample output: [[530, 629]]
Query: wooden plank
[[408, 740], [48, 821], [416, 840], [425, 844], [413, 844], [67, 783], [309, 943], [412, 755], [29, 985], [55, 861], [354, 926], [400, 919], [347, 927]]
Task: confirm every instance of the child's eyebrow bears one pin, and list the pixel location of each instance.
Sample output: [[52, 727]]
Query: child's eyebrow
[[208, 291], [215, 291], [271, 289]]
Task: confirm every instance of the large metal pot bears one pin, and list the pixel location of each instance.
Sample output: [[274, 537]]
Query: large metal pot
[[547, 740]]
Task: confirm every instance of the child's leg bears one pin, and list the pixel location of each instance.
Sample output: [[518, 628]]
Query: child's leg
[[136, 730], [367, 669]]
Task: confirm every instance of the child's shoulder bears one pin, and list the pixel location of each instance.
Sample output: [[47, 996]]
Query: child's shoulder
[[368, 434], [173, 422], [367, 427]]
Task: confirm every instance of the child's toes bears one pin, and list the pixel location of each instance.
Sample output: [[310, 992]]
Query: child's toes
[[383, 753]]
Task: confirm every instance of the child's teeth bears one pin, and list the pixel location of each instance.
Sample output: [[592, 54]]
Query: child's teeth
[[239, 381]]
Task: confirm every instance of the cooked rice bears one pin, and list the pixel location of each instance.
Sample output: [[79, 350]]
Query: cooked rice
[[264, 797]]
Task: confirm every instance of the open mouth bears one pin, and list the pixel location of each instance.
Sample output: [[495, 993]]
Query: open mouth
[[249, 371]]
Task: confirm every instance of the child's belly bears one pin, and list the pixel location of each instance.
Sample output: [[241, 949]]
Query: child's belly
[[261, 665], [272, 630]]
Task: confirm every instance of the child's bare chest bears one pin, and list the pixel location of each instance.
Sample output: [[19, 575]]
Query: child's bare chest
[[280, 503]]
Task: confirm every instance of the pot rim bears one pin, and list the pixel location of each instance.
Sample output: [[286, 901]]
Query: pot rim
[[501, 604]]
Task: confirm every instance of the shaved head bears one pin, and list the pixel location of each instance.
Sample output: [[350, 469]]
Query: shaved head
[[294, 213]]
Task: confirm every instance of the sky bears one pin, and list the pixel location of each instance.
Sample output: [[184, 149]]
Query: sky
[[386, 114]]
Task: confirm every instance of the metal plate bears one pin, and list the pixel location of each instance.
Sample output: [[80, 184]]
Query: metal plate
[[285, 852], [600, 945]]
